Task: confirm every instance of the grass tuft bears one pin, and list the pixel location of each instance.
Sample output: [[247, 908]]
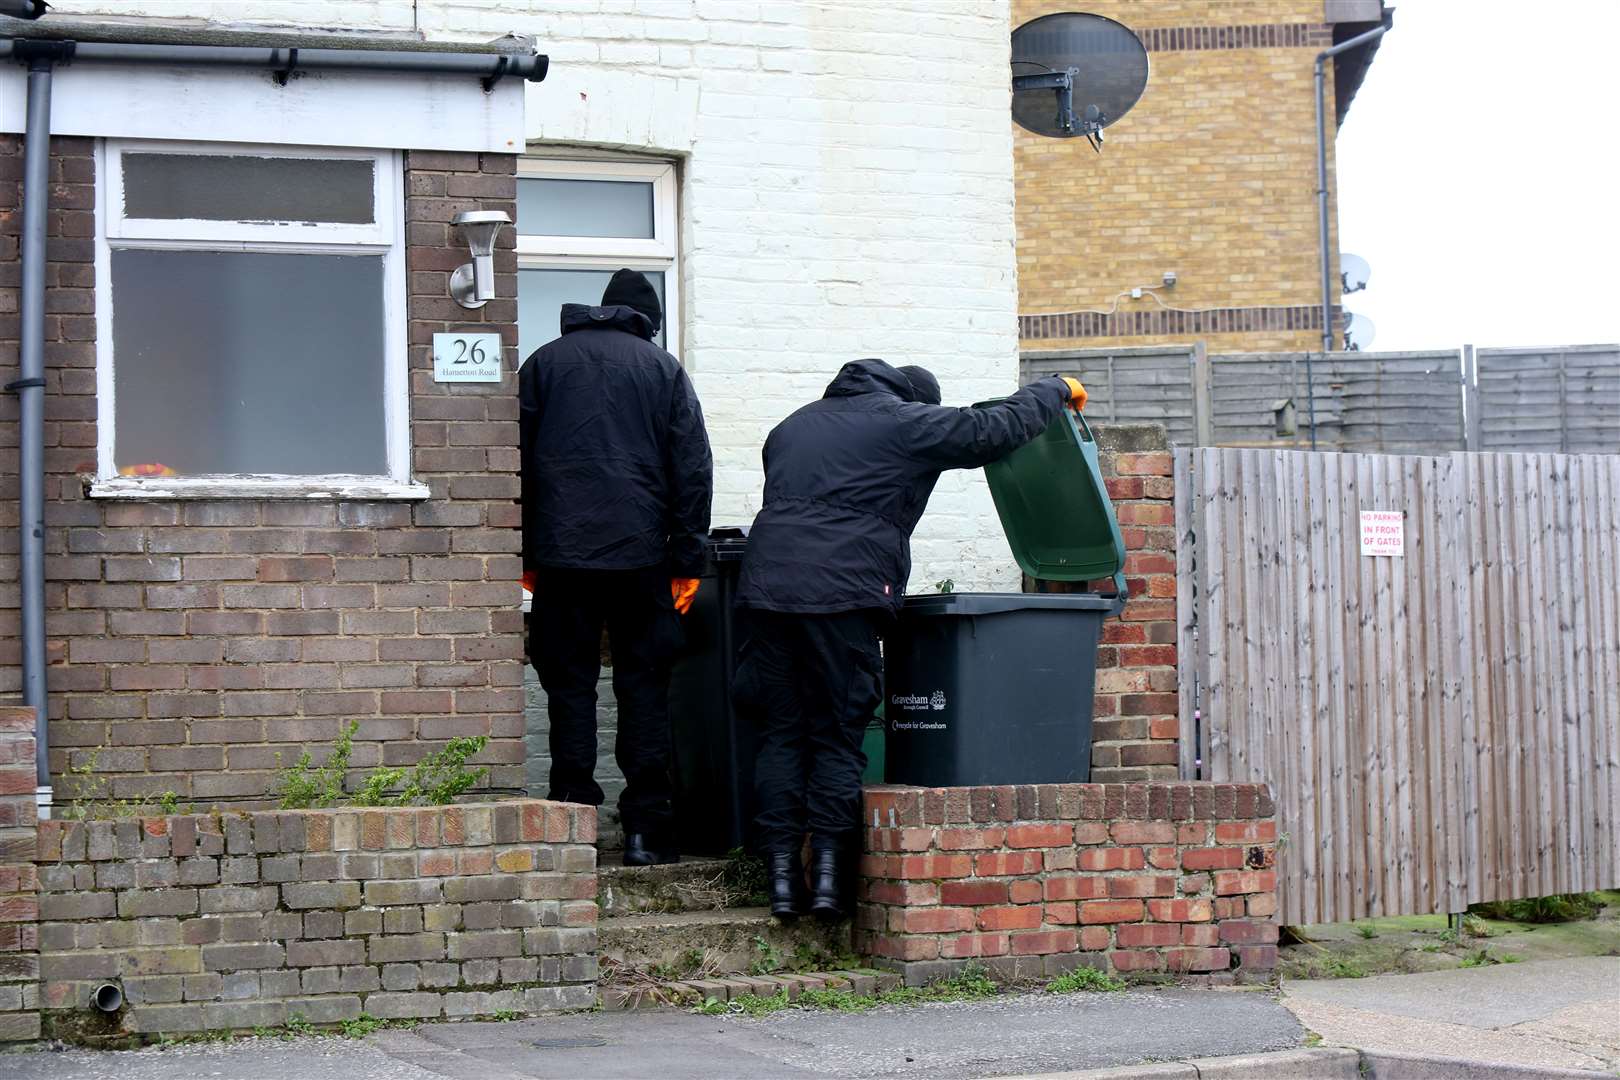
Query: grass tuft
[[1084, 978]]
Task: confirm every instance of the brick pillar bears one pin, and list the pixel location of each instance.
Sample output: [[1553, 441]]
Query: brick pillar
[[1136, 725], [19, 907]]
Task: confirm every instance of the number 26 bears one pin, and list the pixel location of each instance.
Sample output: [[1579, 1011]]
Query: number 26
[[474, 355]]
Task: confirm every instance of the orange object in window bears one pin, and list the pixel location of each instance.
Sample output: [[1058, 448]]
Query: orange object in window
[[150, 469]]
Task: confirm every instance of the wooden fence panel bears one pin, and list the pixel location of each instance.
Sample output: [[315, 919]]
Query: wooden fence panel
[[1564, 400], [1555, 400], [1143, 385], [1440, 727]]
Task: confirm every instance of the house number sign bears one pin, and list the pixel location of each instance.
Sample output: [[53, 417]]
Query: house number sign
[[472, 358]]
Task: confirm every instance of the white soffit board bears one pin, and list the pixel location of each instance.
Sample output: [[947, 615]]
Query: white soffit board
[[408, 110]]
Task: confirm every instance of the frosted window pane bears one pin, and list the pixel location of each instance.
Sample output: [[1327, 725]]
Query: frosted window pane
[[238, 362], [243, 188], [617, 208], [542, 293]]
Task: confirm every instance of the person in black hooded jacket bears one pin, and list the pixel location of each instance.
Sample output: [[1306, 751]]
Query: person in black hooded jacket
[[846, 480], [616, 483]]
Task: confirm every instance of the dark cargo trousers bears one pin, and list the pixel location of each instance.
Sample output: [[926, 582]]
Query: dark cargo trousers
[[568, 613], [809, 684]]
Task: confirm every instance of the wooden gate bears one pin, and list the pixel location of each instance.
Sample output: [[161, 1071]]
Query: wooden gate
[[1440, 727]]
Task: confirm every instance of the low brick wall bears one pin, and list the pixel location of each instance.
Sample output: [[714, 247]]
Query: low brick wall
[[1036, 880], [240, 920]]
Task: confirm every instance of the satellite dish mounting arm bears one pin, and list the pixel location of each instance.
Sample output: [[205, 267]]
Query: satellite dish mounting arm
[[1063, 83]]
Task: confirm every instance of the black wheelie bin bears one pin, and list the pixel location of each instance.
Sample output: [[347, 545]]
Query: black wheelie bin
[[712, 758], [996, 688]]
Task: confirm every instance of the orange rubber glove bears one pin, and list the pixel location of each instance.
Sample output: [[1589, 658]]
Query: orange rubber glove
[[682, 590], [1077, 393]]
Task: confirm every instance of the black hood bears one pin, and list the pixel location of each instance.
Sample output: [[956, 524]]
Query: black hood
[[870, 376], [631, 289], [616, 317]]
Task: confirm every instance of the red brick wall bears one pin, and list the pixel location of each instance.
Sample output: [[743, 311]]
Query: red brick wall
[[1036, 880], [19, 907], [1135, 725], [194, 641]]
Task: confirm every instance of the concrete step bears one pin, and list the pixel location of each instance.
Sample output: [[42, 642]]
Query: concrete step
[[689, 885], [700, 944], [645, 994]]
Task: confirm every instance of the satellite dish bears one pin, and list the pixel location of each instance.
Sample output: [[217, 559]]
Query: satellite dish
[[1353, 272], [1075, 74], [1358, 332]]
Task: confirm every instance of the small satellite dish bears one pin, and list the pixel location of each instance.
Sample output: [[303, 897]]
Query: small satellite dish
[[1075, 74], [1353, 272], [1358, 333]]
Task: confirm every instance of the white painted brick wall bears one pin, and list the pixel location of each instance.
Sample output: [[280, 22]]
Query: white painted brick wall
[[846, 192]]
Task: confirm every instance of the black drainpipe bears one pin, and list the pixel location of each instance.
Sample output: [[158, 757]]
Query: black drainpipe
[[40, 56]]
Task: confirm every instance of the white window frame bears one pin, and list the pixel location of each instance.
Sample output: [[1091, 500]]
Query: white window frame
[[536, 251], [385, 237]]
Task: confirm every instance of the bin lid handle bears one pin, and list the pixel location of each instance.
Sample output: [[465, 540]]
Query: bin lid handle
[[1122, 594]]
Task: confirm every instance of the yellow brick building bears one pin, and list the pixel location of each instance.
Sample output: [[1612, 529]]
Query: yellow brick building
[[1212, 176]]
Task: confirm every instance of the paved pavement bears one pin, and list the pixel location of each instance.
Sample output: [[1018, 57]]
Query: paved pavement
[[1012, 1035], [1551, 1013]]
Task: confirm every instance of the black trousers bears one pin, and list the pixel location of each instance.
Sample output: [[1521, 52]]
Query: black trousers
[[565, 636], [810, 684]]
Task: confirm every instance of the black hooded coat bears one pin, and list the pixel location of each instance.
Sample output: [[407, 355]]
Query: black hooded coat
[[848, 477], [617, 473]]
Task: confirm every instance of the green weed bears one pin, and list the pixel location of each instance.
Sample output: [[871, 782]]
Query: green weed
[[437, 780], [1084, 978], [92, 796], [1563, 907], [307, 786], [1340, 968], [837, 1000], [1479, 958], [365, 1024], [1367, 931], [971, 983], [502, 1016], [768, 959]]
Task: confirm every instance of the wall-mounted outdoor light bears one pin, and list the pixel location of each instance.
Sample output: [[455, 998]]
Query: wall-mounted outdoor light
[[473, 284]]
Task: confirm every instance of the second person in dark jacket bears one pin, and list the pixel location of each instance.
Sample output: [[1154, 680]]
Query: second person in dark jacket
[[846, 480], [616, 480]]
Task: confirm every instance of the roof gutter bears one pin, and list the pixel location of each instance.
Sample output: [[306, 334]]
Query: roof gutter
[[40, 56], [489, 67]]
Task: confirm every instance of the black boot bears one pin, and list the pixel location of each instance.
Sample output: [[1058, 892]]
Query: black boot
[[786, 884], [827, 901], [639, 852]]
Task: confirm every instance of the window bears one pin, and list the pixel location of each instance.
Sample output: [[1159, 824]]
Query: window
[[251, 322], [577, 222]]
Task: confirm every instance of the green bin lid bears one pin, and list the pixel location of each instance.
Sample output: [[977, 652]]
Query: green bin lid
[[1054, 505]]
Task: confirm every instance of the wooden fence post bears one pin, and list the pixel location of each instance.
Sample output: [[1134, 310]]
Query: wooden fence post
[[1470, 389], [1203, 403]]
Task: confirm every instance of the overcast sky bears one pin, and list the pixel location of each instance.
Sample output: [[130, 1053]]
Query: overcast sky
[[1479, 174]]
